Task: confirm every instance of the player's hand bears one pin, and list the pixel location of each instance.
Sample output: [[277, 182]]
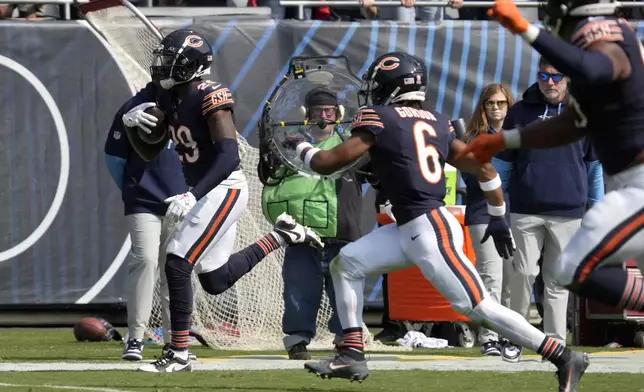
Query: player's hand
[[179, 206], [507, 14], [499, 230], [137, 117], [484, 147], [291, 141]]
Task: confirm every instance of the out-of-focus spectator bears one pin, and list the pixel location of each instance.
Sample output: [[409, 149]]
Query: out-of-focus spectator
[[407, 12], [27, 11], [549, 190], [491, 110]]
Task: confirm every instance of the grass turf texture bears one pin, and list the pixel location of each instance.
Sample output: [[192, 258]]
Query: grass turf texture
[[39, 345]]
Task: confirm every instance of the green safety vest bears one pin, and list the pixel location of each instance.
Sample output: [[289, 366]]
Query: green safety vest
[[311, 202]]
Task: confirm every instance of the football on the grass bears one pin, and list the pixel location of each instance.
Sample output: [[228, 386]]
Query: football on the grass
[[159, 131], [90, 329]]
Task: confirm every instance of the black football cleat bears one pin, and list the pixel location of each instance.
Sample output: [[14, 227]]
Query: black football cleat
[[341, 366], [570, 372]]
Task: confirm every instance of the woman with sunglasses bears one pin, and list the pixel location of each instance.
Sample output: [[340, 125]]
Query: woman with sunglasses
[[491, 110], [549, 190]]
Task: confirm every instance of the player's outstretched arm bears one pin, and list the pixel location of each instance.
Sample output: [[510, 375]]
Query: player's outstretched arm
[[566, 128], [330, 161], [224, 136], [485, 173], [601, 62], [596, 62], [557, 131], [490, 183]]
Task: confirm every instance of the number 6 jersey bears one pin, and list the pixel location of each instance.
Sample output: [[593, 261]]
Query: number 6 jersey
[[189, 127], [408, 158]]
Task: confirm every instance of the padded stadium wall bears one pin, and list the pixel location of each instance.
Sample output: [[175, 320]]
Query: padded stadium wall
[[64, 238]]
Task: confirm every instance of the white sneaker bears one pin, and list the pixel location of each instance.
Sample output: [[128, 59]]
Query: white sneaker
[[511, 353], [294, 233], [133, 350], [168, 363]]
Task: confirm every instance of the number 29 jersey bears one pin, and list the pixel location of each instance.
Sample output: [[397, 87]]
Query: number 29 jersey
[[408, 157], [189, 127]]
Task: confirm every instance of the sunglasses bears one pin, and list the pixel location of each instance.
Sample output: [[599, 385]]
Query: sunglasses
[[544, 76], [499, 104]]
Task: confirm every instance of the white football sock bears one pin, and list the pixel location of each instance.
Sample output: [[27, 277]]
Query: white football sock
[[507, 323], [349, 295]]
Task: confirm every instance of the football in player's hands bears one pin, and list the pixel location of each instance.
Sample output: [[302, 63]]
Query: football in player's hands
[[158, 131]]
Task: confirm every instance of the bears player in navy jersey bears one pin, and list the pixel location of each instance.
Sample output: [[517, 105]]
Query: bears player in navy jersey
[[408, 147], [605, 61], [200, 116]]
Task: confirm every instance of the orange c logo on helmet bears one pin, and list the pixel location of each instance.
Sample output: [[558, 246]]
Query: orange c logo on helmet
[[389, 63], [194, 41]]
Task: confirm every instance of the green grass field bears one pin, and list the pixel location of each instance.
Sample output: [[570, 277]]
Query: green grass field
[[49, 346]]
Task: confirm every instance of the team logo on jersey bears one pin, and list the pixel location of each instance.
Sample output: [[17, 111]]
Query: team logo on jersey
[[194, 41], [389, 63]]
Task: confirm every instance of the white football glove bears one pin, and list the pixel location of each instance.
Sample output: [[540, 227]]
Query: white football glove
[[179, 206], [136, 117]]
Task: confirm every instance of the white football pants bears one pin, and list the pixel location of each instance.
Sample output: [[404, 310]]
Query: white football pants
[[495, 272], [206, 237], [434, 243], [146, 263], [534, 234], [611, 232]]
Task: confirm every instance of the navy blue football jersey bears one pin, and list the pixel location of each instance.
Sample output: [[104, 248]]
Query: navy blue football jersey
[[189, 127], [614, 111], [145, 185], [408, 157]]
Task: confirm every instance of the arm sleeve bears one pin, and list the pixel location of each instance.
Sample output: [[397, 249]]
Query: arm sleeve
[[116, 167], [573, 59]]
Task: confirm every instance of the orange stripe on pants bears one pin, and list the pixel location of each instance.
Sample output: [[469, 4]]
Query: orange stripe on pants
[[455, 261], [213, 228], [611, 243]]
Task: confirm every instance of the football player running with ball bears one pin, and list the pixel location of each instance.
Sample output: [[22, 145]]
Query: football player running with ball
[[409, 147], [200, 116], [605, 62]]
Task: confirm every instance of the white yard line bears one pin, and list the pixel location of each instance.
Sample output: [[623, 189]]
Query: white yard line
[[618, 362], [62, 387]]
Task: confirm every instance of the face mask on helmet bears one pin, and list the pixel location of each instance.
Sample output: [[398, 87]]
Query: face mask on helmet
[[372, 93], [169, 69]]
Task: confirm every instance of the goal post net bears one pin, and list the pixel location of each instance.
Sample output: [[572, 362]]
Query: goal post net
[[248, 316]]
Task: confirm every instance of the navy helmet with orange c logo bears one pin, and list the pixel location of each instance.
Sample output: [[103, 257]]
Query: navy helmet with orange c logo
[[182, 56], [393, 77]]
